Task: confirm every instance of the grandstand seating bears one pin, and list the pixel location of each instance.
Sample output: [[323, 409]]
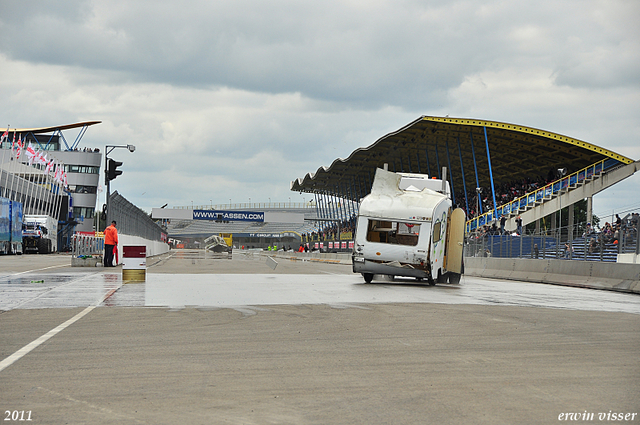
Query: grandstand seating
[[543, 195], [507, 246]]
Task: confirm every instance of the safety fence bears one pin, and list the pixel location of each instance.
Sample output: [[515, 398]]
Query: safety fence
[[541, 195], [579, 242], [333, 237], [132, 221], [83, 245], [331, 246]]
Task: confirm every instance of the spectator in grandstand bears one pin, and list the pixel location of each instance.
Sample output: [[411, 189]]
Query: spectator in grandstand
[[607, 233], [588, 232], [503, 220], [519, 225], [568, 251], [110, 243]]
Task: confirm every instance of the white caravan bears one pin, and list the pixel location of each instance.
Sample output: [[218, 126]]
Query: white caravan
[[407, 227]]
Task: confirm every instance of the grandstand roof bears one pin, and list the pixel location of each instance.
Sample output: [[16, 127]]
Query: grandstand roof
[[430, 143], [40, 130]]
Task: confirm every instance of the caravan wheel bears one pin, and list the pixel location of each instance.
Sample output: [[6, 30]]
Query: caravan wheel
[[368, 277]]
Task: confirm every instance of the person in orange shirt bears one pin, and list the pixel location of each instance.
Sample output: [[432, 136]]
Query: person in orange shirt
[[110, 242]]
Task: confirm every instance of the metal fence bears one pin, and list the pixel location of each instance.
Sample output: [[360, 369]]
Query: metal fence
[[575, 243], [86, 245], [131, 220]]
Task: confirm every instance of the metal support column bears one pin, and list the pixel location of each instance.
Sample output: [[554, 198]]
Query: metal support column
[[493, 191], [475, 166], [426, 151], [438, 160], [464, 183], [453, 191]]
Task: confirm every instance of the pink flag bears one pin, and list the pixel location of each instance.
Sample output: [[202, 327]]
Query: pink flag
[[19, 145], [31, 153], [56, 175]]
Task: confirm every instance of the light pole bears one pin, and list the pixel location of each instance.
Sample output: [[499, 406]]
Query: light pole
[[561, 173], [110, 174]]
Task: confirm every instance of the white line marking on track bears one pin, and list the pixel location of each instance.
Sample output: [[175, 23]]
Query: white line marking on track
[[34, 270], [54, 288], [34, 344]]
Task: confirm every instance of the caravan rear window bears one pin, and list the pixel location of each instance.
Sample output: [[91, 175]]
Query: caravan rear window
[[393, 232]]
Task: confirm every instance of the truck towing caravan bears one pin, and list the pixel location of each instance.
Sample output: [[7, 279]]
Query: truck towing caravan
[[407, 226]]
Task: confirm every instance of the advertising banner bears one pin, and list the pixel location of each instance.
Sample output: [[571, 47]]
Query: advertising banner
[[219, 215]]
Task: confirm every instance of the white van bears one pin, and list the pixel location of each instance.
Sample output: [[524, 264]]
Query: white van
[[407, 227]]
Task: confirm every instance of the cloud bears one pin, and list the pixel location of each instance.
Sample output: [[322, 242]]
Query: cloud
[[236, 97]]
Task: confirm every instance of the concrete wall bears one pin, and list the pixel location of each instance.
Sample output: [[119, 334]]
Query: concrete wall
[[587, 274], [153, 247], [629, 258], [584, 274]]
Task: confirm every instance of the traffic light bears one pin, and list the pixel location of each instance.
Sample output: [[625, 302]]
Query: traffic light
[[112, 173]]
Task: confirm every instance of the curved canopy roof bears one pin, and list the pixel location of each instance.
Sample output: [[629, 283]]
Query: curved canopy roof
[[429, 143], [51, 129]]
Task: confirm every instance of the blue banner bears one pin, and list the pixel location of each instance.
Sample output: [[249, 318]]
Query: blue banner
[[217, 215]]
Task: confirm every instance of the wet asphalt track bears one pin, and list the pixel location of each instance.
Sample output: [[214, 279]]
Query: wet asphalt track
[[209, 340], [189, 279]]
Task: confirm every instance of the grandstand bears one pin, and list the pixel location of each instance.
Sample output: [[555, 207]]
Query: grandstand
[[495, 170]]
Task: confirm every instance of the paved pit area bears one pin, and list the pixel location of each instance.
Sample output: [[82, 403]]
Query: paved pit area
[[211, 340]]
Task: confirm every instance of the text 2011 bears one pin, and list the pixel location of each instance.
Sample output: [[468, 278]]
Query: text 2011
[[17, 415]]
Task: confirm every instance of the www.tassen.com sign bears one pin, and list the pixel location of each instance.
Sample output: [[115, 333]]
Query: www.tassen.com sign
[[228, 215]]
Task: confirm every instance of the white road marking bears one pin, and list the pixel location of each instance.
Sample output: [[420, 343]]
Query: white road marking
[[53, 289], [34, 344]]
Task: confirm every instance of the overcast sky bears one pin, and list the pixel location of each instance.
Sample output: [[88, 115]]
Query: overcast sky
[[232, 100]]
